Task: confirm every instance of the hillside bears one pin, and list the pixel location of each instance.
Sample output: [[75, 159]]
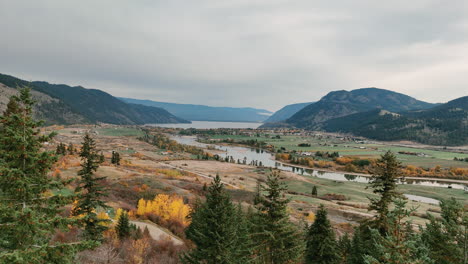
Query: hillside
[[286, 112], [341, 103], [446, 124], [51, 110], [65, 104], [207, 113]]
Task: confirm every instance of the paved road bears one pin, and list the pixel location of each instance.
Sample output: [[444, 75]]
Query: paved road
[[157, 233]]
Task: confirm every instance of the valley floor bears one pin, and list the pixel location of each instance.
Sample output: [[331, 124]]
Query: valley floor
[[178, 173]]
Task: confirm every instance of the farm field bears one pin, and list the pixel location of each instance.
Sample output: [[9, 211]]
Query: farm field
[[431, 159]]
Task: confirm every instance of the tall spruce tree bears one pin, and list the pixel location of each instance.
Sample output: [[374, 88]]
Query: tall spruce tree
[[277, 240], [29, 205], [384, 183], [90, 192], [358, 248], [344, 248], [399, 245], [123, 226], [447, 236], [218, 230], [322, 247]]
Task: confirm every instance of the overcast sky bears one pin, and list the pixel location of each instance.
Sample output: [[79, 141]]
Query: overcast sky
[[255, 53]]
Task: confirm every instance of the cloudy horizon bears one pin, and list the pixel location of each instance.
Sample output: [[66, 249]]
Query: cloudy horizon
[[239, 53]]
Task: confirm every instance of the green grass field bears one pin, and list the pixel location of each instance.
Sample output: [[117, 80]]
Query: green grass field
[[442, 158]]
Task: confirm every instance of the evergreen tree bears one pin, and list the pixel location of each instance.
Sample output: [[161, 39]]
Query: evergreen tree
[[358, 248], [277, 240], [115, 159], [29, 207], [314, 191], [123, 226], [344, 248], [399, 245], [218, 230], [146, 233], [71, 149], [322, 247], [447, 237], [61, 149], [102, 158], [384, 183], [90, 192]]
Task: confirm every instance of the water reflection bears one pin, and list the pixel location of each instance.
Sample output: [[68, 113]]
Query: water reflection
[[267, 159]]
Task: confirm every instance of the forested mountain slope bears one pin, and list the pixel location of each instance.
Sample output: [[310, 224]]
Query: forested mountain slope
[[342, 103], [68, 105], [446, 124]]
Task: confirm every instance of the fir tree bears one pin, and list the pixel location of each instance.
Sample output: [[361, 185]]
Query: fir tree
[[29, 209], [123, 226], [102, 158], [146, 233], [358, 248], [322, 247], [344, 248], [61, 149], [314, 191], [71, 149], [399, 245], [90, 192], [277, 240], [217, 229], [115, 159], [447, 237], [384, 183]]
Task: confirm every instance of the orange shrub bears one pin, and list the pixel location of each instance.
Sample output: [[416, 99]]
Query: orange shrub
[[343, 160]]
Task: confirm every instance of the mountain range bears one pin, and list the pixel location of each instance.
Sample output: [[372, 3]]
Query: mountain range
[[194, 112], [342, 103], [369, 112], [63, 104], [385, 115]]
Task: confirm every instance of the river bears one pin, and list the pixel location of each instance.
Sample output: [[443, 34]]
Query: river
[[267, 159]]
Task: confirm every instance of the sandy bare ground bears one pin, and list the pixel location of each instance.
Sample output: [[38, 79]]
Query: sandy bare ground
[[157, 232]]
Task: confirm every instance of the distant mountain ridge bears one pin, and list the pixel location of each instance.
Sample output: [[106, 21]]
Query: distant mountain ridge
[[446, 124], [286, 112], [385, 115], [81, 105], [341, 103], [207, 113]]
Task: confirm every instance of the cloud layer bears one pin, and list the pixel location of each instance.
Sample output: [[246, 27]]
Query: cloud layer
[[258, 53]]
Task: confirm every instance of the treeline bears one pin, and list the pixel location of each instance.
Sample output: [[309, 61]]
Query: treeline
[[164, 142], [225, 233], [32, 202], [363, 165]]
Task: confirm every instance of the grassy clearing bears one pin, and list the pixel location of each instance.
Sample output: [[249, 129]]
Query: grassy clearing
[[357, 192]]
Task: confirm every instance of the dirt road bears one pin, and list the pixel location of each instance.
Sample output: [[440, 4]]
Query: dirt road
[[157, 233]]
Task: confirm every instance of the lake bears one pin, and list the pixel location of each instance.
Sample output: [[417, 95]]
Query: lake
[[210, 124]]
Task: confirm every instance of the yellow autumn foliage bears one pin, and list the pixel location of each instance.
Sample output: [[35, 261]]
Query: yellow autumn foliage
[[168, 207], [311, 217]]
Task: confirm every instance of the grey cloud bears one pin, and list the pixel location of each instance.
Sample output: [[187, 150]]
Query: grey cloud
[[261, 53]]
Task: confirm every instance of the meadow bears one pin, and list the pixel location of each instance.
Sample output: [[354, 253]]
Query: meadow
[[431, 158]]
